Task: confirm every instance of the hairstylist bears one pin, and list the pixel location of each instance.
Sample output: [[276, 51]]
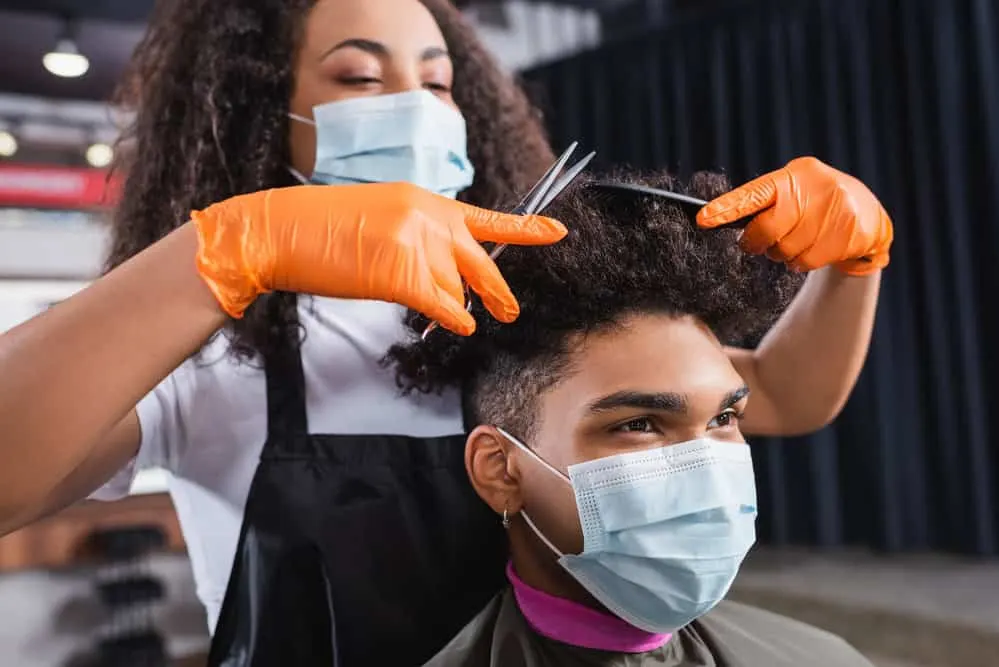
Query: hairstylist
[[359, 529]]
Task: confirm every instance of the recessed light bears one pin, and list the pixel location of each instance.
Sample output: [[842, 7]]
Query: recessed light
[[99, 155], [65, 60], [8, 144]]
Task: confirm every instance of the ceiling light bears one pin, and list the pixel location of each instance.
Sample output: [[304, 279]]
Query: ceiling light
[[8, 144], [66, 60], [99, 155]]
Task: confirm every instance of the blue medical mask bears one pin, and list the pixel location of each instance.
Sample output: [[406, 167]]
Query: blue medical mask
[[408, 137], [664, 530]]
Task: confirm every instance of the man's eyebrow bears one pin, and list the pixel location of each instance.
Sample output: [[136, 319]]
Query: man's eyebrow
[[666, 401], [658, 401], [734, 397]]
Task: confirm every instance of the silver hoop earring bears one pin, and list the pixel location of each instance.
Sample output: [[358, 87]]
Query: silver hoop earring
[[506, 518]]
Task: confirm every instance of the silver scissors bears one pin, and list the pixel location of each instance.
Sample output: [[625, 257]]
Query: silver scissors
[[536, 200]]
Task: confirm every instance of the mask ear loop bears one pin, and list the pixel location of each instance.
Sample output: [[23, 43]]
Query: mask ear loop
[[523, 513], [541, 535], [291, 170], [534, 455], [301, 119], [298, 175]]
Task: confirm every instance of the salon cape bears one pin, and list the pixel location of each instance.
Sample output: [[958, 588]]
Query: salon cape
[[732, 635]]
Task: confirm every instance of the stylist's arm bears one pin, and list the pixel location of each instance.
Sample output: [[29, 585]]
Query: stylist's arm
[[817, 219], [70, 378]]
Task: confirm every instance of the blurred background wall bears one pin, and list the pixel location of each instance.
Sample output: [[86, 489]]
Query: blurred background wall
[[905, 95]]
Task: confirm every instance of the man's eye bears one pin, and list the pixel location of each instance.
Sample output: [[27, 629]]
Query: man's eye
[[725, 419], [638, 425]]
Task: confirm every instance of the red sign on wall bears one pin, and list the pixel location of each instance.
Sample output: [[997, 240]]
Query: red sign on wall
[[55, 187]]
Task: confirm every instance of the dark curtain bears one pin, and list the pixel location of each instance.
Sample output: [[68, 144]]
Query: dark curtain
[[905, 95]]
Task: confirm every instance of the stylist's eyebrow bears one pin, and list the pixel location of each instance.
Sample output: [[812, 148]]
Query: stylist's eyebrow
[[380, 50], [433, 53], [366, 45]]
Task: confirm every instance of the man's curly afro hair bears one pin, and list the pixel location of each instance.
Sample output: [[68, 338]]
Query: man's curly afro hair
[[625, 254]]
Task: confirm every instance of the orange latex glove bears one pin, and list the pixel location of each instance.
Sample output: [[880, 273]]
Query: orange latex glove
[[385, 241], [808, 215]]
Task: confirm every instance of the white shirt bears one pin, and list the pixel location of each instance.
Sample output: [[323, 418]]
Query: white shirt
[[207, 422]]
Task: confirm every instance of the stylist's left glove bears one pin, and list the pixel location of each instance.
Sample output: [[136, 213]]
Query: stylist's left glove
[[808, 215]]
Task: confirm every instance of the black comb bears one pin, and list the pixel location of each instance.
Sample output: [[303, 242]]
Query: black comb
[[691, 204]]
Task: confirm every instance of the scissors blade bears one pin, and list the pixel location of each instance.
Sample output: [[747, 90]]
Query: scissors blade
[[556, 189], [529, 203], [564, 180], [548, 187]]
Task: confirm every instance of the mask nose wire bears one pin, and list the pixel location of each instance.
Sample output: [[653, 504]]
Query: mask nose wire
[[527, 519]]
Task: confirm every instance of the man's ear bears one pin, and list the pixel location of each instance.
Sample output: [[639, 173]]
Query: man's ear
[[493, 474]]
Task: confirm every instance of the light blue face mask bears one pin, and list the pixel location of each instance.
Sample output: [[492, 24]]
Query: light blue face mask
[[664, 530], [408, 137]]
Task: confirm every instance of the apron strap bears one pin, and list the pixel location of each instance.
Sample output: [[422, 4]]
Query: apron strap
[[286, 414]]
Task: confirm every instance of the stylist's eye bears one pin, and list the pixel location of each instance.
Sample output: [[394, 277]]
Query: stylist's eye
[[637, 425], [727, 419], [437, 87], [360, 81]]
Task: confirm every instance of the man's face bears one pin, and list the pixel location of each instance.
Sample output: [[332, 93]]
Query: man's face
[[653, 381]]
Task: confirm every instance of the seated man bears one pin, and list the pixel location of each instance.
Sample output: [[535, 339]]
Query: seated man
[[605, 436]]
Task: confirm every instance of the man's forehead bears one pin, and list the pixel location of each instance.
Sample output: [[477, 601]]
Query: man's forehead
[[649, 355]]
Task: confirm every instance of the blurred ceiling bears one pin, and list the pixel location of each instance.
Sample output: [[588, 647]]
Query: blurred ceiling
[[54, 117], [29, 29], [107, 32]]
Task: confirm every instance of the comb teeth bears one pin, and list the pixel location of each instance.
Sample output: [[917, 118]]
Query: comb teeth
[[646, 190], [691, 204]]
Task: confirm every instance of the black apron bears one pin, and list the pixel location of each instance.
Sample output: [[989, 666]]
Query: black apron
[[355, 550]]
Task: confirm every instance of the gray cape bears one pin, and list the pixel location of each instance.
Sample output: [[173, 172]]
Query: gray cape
[[732, 635]]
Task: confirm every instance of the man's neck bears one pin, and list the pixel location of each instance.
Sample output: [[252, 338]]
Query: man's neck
[[569, 622], [538, 567]]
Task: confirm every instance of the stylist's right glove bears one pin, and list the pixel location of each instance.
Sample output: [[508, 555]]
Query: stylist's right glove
[[808, 215], [384, 241]]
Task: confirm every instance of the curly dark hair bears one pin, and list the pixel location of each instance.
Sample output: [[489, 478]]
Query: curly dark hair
[[624, 254], [210, 86]]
